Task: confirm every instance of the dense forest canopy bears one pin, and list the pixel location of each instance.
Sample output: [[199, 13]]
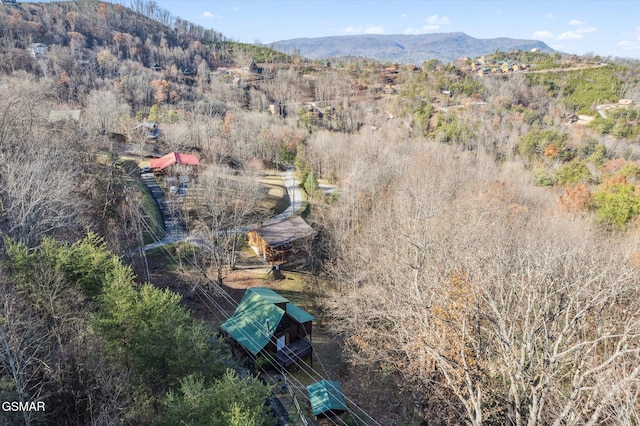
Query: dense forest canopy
[[477, 259]]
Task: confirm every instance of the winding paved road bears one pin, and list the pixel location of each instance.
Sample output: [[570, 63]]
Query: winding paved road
[[295, 196], [174, 232]]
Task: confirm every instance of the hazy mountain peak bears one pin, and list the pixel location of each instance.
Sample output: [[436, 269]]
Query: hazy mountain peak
[[405, 48]]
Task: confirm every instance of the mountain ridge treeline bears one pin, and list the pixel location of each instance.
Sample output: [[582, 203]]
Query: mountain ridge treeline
[[407, 49], [477, 260]]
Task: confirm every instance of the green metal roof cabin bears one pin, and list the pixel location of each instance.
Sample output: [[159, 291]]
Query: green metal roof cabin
[[326, 398], [266, 321]]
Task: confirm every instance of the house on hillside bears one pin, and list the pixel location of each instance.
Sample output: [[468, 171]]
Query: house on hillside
[[163, 164], [266, 322], [38, 50], [278, 242], [148, 129], [253, 68]]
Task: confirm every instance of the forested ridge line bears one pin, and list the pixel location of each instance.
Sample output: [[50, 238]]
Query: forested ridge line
[[476, 236]]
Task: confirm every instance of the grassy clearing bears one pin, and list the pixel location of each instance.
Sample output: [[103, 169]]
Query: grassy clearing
[[174, 256], [294, 286], [194, 200], [276, 199], [139, 161]]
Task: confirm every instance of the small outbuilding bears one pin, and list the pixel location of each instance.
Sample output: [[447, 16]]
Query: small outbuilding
[[265, 321], [326, 398], [279, 241]]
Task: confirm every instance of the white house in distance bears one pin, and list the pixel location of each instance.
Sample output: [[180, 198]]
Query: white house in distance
[[38, 50]]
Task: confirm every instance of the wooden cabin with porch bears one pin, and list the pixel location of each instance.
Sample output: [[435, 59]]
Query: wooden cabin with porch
[[266, 322], [278, 242]]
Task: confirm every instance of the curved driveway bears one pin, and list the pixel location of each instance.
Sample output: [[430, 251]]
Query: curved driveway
[[295, 196], [175, 233]]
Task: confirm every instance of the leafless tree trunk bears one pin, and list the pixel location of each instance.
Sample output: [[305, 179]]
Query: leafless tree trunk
[[468, 286], [25, 351], [38, 191], [230, 203]]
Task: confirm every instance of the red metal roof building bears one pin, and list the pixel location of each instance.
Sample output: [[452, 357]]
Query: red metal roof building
[[173, 158]]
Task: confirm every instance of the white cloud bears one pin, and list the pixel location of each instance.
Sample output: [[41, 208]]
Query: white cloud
[[403, 15], [433, 23], [543, 35], [549, 15], [585, 30], [210, 15], [624, 43], [570, 35], [372, 29], [412, 31], [437, 20], [576, 33]]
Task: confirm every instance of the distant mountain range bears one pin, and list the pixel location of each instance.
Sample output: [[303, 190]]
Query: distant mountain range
[[405, 49]]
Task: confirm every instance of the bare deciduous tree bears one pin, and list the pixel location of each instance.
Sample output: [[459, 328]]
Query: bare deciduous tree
[[105, 111], [471, 288], [38, 191], [25, 351], [230, 204]]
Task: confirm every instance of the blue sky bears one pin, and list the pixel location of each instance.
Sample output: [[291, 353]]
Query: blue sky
[[606, 28]]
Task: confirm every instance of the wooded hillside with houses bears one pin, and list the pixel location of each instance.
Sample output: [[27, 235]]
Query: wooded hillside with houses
[[199, 231]]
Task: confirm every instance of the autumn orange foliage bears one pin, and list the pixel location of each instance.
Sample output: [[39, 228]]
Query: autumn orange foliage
[[551, 151], [575, 199]]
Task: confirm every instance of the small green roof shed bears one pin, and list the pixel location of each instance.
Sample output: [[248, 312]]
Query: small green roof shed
[[326, 397]]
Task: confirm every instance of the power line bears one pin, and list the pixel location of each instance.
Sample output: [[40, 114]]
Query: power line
[[227, 297]]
